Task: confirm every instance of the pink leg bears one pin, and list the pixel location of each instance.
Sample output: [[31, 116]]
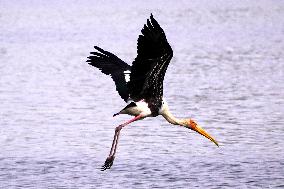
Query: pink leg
[[110, 159]]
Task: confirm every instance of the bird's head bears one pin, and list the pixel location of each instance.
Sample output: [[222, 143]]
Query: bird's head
[[191, 124]]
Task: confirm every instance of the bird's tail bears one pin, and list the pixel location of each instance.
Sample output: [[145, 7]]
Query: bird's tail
[[115, 114]]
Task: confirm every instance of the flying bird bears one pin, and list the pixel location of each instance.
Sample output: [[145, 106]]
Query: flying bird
[[141, 85]]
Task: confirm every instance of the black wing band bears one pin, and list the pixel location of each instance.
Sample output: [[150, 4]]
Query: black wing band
[[110, 64]]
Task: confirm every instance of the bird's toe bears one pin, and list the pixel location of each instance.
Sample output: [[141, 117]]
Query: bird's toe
[[108, 163]]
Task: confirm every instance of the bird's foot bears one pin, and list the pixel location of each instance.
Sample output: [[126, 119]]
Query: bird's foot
[[108, 163]]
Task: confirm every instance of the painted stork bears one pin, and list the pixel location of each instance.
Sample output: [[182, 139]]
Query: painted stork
[[141, 85]]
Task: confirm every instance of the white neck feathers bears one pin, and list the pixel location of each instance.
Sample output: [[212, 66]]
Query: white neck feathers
[[165, 112]]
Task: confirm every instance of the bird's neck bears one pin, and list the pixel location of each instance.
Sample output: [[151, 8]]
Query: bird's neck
[[172, 119]]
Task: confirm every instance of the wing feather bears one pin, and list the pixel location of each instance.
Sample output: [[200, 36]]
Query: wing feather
[[110, 64], [150, 65]]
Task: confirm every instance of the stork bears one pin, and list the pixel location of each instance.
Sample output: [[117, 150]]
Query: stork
[[141, 85]]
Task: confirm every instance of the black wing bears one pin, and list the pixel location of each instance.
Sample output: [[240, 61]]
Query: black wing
[[149, 67], [110, 64]]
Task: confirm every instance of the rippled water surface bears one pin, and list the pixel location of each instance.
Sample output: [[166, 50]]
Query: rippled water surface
[[56, 123]]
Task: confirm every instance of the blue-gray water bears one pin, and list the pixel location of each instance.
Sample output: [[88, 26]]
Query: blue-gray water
[[56, 124]]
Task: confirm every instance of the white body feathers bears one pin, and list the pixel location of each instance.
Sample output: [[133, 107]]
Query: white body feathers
[[142, 108]]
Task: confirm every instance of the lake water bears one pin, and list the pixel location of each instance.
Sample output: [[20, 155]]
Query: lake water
[[56, 124]]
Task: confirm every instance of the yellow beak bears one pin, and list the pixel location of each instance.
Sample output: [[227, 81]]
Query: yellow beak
[[201, 131]]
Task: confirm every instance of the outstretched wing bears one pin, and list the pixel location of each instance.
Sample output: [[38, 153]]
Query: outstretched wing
[[110, 64], [150, 65]]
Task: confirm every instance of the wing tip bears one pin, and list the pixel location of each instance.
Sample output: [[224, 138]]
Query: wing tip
[[97, 48], [152, 19]]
